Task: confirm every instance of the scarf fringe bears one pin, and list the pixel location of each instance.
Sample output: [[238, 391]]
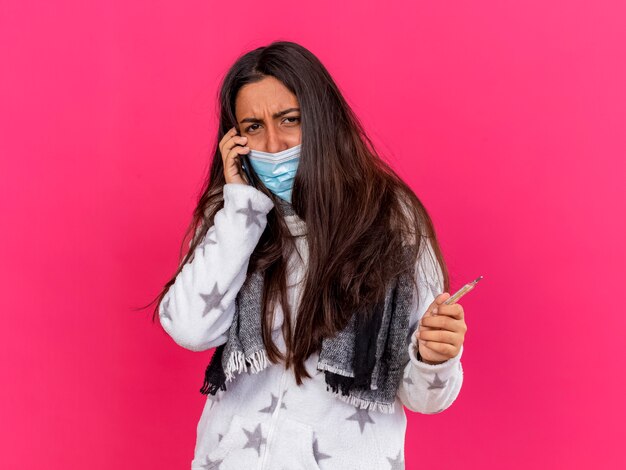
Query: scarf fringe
[[214, 378], [237, 363], [259, 361], [335, 370], [363, 403]]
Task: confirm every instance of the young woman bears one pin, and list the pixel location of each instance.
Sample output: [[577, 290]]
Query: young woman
[[311, 271]]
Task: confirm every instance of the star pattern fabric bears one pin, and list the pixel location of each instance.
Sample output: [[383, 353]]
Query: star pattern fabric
[[397, 463], [272, 406], [437, 383], [213, 464], [212, 300], [252, 215], [208, 241], [255, 439], [316, 452], [195, 314], [362, 416]]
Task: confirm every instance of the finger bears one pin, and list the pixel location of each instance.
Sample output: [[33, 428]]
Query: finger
[[454, 311], [229, 135], [439, 300], [415, 337], [235, 152], [441, 348], [442, 322], [238, 150], [439, 336], [234, 142], [232, 131]]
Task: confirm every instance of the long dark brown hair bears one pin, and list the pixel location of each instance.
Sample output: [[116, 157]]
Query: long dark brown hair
[[358, 212]]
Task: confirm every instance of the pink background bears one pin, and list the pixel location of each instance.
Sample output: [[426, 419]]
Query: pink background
[[508, 119]]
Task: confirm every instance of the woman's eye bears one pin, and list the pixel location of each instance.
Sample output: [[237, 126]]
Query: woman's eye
[[252, 128]]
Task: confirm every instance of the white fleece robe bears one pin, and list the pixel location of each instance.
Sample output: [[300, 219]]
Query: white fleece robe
[[264, 421]]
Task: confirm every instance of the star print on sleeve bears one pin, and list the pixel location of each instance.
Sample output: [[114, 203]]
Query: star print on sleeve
[[428, 387], [362, 416], [212, 300], [205, 245], [200, 304], [437, 383], [208, 241], [252, 215], [212, 464]]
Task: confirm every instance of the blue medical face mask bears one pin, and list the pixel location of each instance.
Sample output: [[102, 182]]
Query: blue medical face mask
[[276, 170]]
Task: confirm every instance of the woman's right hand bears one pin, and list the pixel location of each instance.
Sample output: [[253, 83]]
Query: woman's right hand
[[231, 146]]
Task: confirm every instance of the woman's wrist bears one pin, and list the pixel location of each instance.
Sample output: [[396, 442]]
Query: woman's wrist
[[421, 359]]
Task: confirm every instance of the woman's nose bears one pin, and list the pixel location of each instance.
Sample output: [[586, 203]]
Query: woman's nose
[[274, 143]]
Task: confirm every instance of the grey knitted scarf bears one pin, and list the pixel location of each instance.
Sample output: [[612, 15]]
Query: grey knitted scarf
[[364, 361]]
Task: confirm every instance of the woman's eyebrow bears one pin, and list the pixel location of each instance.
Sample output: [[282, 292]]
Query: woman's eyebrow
[[275, 115]]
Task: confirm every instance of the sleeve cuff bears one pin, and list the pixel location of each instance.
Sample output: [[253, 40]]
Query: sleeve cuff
[[237, 195], [425, 367]]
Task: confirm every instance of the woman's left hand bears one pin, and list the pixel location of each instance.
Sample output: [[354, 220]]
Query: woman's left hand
[[441, 335]]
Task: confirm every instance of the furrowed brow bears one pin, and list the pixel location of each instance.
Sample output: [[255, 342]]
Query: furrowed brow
[[275, 115]]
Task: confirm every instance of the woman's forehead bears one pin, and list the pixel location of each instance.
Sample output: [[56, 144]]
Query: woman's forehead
[[267, 97]]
